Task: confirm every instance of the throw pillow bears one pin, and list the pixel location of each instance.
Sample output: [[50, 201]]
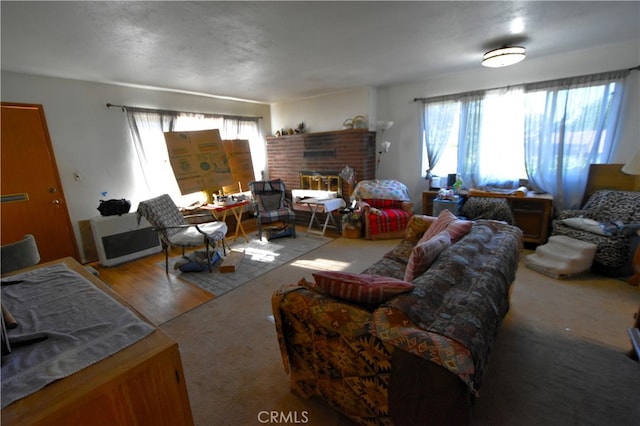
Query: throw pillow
[[365, 289], [457, 228], [442, 221], [584, 224], [425, 253], [417, 226], [269, 202]]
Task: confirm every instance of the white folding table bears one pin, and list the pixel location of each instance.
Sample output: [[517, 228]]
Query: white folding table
[[322, 205]]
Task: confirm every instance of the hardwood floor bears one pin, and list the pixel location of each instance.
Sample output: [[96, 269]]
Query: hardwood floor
[[158, 296]]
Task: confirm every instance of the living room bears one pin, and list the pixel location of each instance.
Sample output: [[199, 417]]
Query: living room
[[94, 153]]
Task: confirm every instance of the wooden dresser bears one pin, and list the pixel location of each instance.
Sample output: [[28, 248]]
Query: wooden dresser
[[141, 384], [532, 212]]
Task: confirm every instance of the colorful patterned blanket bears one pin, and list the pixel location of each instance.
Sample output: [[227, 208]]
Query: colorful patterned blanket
[[343, 352], [387, 189]]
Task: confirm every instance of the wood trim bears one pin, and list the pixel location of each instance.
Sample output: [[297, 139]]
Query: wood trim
[[141, 384]]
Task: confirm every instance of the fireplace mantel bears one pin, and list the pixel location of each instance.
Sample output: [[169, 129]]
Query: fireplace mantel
[[288, 155]]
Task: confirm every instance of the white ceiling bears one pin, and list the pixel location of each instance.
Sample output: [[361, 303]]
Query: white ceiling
[[277, 51]]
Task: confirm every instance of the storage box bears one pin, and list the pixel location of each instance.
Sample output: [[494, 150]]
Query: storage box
[[452, 205]]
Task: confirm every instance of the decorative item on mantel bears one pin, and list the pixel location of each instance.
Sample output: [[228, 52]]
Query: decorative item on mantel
[[284, 132], [357, 122]]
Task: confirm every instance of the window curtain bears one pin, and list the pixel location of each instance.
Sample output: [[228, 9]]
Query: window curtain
[[147, 133], [469, 139], [570, 124], [147, 129], [437, 119], [549, 132]]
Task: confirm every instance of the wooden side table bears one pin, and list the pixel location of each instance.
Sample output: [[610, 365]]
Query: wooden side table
[[236, 209], [532, 212]]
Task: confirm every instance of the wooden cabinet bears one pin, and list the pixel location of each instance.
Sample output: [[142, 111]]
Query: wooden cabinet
[[532, 212], [141, 384]]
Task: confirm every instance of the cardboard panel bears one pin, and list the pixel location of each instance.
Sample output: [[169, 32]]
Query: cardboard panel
[[198, 159], [239, 157]]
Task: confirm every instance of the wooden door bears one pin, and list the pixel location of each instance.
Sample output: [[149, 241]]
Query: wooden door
[[32, 197]]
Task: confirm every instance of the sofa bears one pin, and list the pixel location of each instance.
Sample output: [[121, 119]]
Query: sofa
[[406, 341], [603, 221], [386, 207]]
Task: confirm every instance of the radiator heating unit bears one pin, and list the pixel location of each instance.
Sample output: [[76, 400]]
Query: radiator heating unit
[[120, 239]]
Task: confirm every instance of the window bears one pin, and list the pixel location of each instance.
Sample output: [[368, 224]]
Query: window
[[147, 130], [548, 133]]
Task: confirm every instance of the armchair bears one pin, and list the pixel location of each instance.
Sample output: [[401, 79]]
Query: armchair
[[272, 205], [603, 221], [165, 217], [386, 208], [19, 254]]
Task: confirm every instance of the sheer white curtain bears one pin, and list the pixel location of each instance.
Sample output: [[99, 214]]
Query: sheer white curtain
[[570, 124], [438, 118], [147, 131], [549, 132]]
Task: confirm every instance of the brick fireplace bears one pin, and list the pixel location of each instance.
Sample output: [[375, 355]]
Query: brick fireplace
[[324, 153]]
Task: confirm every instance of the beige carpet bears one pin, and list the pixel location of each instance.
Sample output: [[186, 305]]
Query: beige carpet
[[558, 360]]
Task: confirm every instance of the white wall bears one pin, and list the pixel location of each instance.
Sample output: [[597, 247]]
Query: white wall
[[323, 113], [93, 141]]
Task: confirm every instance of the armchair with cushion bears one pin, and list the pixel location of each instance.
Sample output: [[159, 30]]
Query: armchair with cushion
[[272, 205], [386, 208], [173, 229], [603, 221], [19, 254]]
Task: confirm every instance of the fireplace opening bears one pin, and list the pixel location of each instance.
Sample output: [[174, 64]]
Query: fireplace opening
[[321, 181]]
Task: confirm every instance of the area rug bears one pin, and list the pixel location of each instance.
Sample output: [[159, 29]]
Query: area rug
[[259, 258]]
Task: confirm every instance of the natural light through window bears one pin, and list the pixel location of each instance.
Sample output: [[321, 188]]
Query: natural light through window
[[547, 133], [319, 264], [501, 153]]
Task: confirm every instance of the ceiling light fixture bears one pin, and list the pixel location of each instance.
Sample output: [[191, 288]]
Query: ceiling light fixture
[[503, 57]]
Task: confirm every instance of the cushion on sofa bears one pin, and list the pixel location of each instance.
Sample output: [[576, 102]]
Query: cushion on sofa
[[417, 226], [365, 289], [584, 224], [457, 228], [425, 253]]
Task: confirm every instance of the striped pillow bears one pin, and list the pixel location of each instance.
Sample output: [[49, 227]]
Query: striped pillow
[[457, 228], [425, 253], [365, 289]]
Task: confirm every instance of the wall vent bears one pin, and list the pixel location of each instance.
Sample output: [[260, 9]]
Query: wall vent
[[120, 239]]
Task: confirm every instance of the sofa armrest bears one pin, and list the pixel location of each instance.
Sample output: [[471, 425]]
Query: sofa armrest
[[407, 206], [566, 214], [315, 310], [364, 206]]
